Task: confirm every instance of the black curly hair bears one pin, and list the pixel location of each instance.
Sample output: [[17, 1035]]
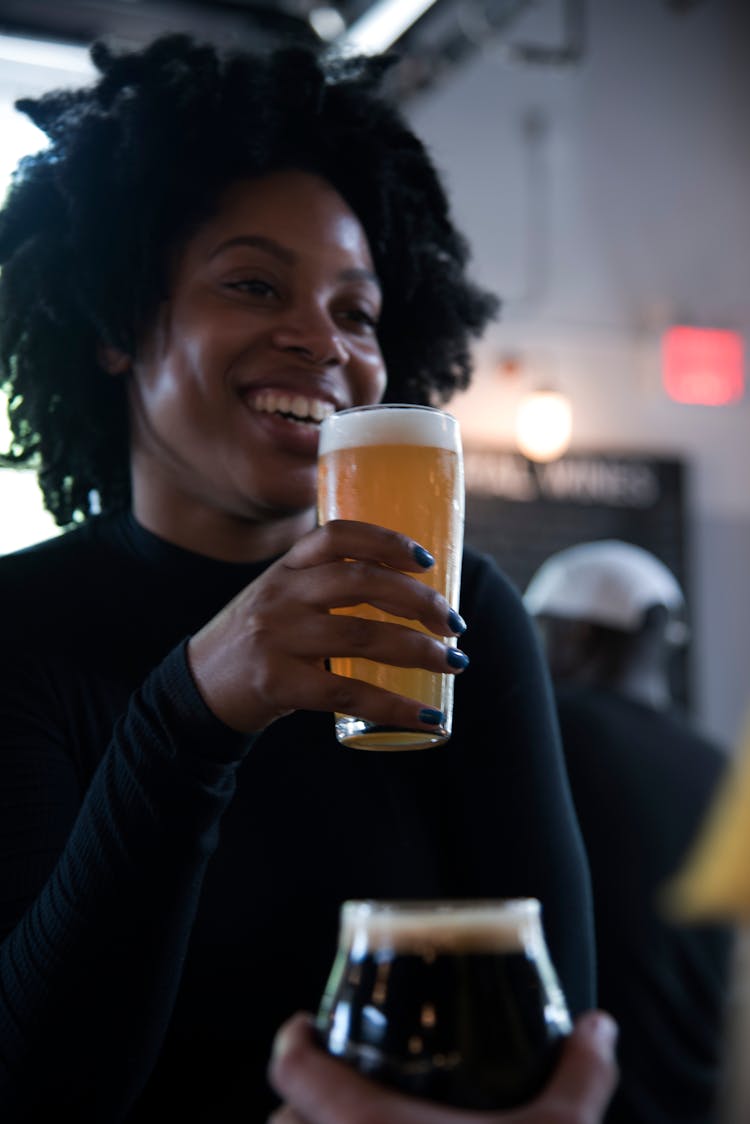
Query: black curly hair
[[135, 162]]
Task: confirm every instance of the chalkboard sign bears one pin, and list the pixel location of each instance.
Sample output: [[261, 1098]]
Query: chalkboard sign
[[521, 512]]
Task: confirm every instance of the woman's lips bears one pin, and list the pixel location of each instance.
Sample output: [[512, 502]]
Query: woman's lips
[[290, 420], [297, 408]]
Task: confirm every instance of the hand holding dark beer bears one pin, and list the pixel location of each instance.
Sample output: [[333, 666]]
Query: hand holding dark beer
[[457, 1002], [264, 655], [320, 1090]]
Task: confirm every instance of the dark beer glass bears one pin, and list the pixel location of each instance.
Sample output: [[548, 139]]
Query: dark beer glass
[[456, 1002]]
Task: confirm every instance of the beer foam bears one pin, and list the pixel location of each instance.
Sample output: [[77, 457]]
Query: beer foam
[[508, 926], [389, 425]]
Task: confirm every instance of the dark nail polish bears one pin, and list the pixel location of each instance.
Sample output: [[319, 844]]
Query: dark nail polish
[[431, 717], [422, 556], [456, 622], [457, 659]]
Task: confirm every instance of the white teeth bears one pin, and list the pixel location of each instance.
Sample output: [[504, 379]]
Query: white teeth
[[297, 405]]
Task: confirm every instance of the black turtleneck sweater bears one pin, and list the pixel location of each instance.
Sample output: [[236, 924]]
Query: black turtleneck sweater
[[169, 889]]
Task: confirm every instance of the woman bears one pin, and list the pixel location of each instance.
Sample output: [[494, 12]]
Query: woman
[[213, 253]]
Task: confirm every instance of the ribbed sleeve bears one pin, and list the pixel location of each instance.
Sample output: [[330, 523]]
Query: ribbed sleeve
[[89, 973]]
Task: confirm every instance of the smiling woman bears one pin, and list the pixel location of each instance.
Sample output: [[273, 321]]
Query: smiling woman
[[264, 335], [215, 252]]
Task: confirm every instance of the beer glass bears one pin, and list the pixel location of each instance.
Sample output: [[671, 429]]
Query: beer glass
[[456, 1002], [399, 466]]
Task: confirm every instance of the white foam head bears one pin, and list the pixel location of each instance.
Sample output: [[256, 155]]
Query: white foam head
[[395, 424]]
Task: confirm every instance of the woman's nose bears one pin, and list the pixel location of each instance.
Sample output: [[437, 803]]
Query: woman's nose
[[313, 337]]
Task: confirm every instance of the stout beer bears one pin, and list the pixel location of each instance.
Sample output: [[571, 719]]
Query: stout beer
[[455, 1002], [401, 467]]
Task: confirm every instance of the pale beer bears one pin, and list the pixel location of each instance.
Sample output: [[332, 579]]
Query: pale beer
[[400, 467], [458, 1002]]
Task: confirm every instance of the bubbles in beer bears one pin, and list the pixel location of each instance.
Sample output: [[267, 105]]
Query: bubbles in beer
[[399, 467]]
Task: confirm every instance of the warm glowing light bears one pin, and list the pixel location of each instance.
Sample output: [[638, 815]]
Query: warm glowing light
[[703, 366], [544, 424]]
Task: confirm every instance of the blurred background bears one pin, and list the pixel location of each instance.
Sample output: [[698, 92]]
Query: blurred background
[[598, 158]]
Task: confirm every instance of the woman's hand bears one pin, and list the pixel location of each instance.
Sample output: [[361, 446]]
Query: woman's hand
[[264, 655], [318, 1089]]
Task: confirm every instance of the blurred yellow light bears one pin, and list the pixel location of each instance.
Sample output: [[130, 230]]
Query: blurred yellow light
[[544, 424]]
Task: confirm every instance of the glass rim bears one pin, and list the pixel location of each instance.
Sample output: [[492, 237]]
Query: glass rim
[[443, 907], [390, 406]]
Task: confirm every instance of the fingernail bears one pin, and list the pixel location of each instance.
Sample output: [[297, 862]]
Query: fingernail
[[604, 1031], [431, 717], [291, 1033], [457, 659], [281, 1043], [456, 622], [422, 556]]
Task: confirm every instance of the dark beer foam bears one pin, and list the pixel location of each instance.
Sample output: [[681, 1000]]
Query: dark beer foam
[[508, 926]]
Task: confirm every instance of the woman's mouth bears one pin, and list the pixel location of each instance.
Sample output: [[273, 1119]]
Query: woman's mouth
[[292, 407]]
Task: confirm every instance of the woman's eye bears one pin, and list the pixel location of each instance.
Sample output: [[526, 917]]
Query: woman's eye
[[362, 317], [253, 286]]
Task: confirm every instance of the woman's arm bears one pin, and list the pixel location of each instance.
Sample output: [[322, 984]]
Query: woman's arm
[[89, 970]]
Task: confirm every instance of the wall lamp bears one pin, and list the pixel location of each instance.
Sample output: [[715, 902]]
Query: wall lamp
[[544, 424]]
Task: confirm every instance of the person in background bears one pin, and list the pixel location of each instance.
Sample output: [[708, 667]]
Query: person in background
[[612, 616], [215, 251], [319, 1089]]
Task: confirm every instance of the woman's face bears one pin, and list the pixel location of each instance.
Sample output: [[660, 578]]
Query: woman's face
[[270, 325]]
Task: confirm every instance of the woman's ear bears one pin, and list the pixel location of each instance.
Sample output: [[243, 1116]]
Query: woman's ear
[[112, 360]]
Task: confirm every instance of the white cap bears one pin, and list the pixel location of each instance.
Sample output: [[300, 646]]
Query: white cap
[[610, 582]]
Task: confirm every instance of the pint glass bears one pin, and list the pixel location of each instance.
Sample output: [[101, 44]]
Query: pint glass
[[457, 1002], [401, 467]]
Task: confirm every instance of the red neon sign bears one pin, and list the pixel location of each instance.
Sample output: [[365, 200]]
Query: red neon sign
[[703, 366]]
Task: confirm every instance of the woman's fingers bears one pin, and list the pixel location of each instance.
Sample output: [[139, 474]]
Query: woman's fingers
[[370, 637], [353, 696], [325, 1091], [377, 571], [249, 682], [265, 654], [341, 584], [586, 1075], [347, 538], [317, 689]]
